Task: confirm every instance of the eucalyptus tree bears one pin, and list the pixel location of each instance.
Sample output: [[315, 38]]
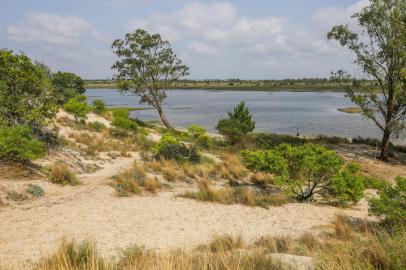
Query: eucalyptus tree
[[379, 46], [146, 67]]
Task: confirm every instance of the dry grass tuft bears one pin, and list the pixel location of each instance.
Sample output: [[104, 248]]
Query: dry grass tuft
[[342, 230], [134, 181], [235, 195], [262, 179], [60, 174], [222, 243], [220, 255]]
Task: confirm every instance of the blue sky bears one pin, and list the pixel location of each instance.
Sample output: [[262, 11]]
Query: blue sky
[[247, 39]]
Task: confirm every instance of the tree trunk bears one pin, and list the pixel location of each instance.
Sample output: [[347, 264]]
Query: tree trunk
[[385, 145], [163, 118]]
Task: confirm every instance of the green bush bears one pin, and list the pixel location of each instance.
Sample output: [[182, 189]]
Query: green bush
[[391, 203], [35, 190], [26, 94], [99, 106], [122, 123], [348, 185], [170, 147], [18, 144], [66, 86], [305, 170], [16, 196], [238, 124], [78, 107], [197, 136]]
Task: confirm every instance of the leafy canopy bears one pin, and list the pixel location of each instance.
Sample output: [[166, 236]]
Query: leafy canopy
[[26, 95], [146, 67], [238, 124], [380, 50], [99, 106], [66, 86]]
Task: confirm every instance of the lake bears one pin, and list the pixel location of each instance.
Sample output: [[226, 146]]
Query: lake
[[309, 113]]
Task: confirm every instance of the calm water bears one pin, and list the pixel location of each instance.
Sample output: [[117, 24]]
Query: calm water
[[309, 113]]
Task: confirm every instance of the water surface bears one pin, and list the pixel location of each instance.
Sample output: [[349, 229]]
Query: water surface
[[309, 113]]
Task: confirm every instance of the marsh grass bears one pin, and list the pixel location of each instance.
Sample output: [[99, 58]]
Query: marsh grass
[[235, 195], [134, 181], [221, 254], [60, 174]]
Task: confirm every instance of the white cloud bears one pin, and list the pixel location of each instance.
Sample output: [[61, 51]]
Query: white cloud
[[50, 28], [330, 16], [202, 48]]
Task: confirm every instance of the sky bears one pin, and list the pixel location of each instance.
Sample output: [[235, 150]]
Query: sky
[[246, 39]]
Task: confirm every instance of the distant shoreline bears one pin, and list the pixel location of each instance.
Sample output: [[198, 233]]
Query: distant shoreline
[[223, 88]]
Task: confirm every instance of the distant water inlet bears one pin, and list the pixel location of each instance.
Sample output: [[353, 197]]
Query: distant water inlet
[[306, 113]]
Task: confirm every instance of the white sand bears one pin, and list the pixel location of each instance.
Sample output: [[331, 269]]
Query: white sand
[[92, 211]]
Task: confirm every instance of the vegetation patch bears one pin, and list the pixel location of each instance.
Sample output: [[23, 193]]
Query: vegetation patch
[[236, 195], [60, 174], [16, 196], [350, 110], [35, 190], [134, 181]]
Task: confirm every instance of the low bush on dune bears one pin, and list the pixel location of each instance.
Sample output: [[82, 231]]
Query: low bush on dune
[[308, 170], [391, 203], [99, 106], [19, 144], [35, 190], [171, 147], [122, 124], [60, 174], [134, 181]]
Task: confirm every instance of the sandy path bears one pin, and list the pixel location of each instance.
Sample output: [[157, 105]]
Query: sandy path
[[161, 221]]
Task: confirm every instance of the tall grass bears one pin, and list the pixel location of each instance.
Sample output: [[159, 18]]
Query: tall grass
[[235, 195], [134, 181], [60, 174]]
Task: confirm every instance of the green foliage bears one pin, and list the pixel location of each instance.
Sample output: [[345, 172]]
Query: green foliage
[[379, 43], [26, 95], [99, 106], [66, 86], [146, 67], [197, 136], [78, 107], [122, 123], [348, 185], [237, 125], [35, 190], [391, 203], [306, 169], [171, 147], [18, 144]]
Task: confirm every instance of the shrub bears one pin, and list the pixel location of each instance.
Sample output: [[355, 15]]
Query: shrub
[[78, 107], [67, 85], [306, 169], [348, 185], [391, 203], [18, 144], [35, 190], [26, 94], [122, 123], [99, 106], [16, 196], [60, 174], [170, 147], [237, 125], [197, 136], [96, 126]]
